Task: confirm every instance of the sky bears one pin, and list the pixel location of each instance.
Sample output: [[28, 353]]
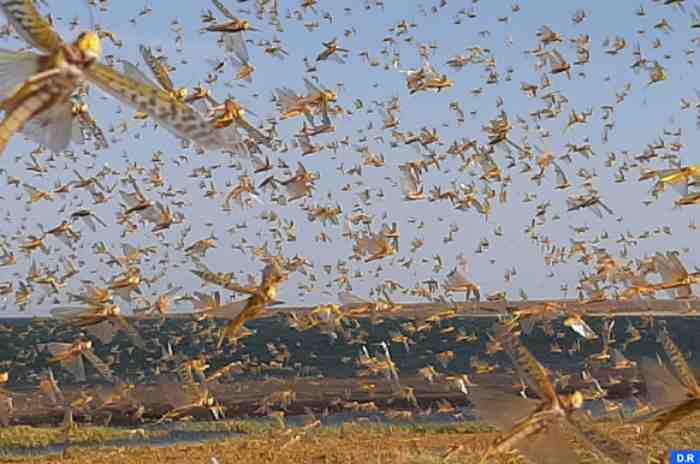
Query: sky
[[639, 120]]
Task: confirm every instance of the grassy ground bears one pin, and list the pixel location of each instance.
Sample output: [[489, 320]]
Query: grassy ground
[[270, 442]]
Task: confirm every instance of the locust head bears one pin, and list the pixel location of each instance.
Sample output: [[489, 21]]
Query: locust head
[[90, 44]]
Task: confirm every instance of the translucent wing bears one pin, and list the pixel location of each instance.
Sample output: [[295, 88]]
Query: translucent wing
[[33, 99], [30, 25], [230, 310], [667, 270], [409, 182], [99, 365], [53, 128], [69, 312], [312, 88], [104, 331], [178, 118], [157, 68], [455, 279], [580, 326], [561, 176], [135, 73], [500, 408], [202, 301], [661, 386], [15, 69], [551, 446], [56, 348], [235, 43], [348, 298], [225, 11], [170, 293], [677, 265], [133, 334], [75, 366], [528, 368]]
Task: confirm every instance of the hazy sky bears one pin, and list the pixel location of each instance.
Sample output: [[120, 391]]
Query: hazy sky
[[639, 120]]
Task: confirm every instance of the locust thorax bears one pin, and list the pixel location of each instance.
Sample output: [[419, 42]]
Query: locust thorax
[[572, 401], [84, 345], [181, 94]]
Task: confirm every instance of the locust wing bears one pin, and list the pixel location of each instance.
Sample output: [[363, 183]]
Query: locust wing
[[528, 368], [31, 25], [72, 362], [500, 408], [683, 372], [54, 128], [15, 69], [157, 68], [179, 118], [225, 11], [99, 365], [235, 43]]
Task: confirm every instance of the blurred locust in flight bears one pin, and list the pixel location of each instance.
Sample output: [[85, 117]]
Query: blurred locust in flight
[[39, 88]]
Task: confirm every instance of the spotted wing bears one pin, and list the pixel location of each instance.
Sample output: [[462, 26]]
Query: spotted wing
[[527, 366], [679, 363], [30, 24], [178, 118]]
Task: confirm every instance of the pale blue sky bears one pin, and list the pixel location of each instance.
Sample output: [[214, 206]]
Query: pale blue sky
[[639, 120]]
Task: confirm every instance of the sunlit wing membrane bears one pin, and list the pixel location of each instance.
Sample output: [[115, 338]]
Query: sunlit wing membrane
[[580, 326], [348, 298], [68, 312], [133, 334], [104, 331], [230, 310], [99, 365], [235, 43], [178, 118], [551, 446], [75, 366], [15, 69], [30, 25], [661, 386], [135, 73], [56, 348], [677, 266], [499, 408], [313, 89], [157, 68], [53, 128]]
